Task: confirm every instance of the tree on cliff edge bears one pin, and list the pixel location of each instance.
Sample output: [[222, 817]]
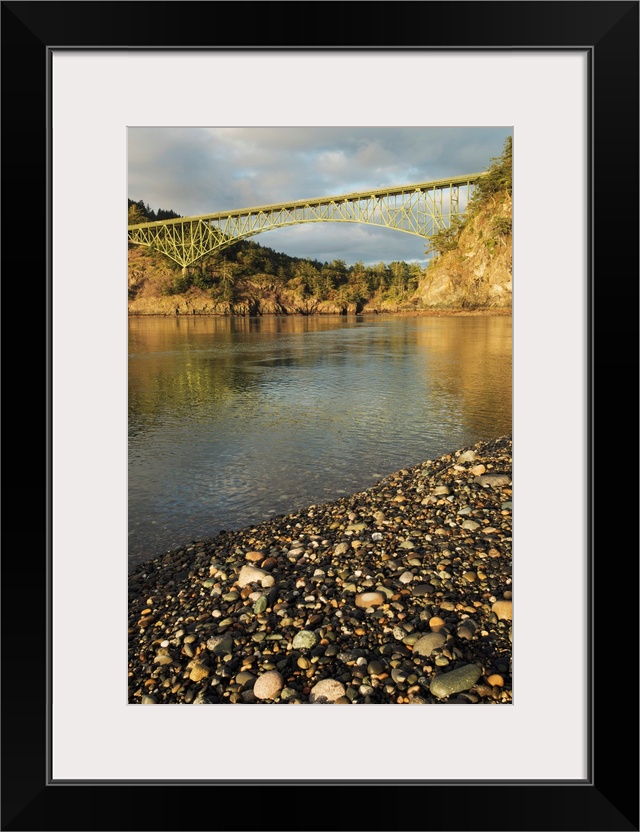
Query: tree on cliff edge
[[498, 180]]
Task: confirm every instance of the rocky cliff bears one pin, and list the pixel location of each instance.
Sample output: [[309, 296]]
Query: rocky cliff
[[477, 272]]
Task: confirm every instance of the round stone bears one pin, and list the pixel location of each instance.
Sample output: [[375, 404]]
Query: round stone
[[399, 675], [162, 660], [268, 685], [496, 679], [199, 672], [326, 691], [428, 643], [436, 623], [245, 679], [260, 605], [411, 639], [251, 574], [423, 589], [503, 609], [254, 557], [493, 480], [462, 678], [149, 700], [304, 640], [370, 599], [467, 629]]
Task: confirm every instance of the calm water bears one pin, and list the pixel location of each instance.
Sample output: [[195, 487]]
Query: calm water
[[234, 420]]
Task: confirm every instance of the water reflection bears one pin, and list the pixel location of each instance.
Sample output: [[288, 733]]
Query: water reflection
[[234, 419]]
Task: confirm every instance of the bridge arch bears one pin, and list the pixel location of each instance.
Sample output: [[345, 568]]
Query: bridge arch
[[421, 209]]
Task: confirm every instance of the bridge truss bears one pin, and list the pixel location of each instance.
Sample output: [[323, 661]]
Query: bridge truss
[[421, 209]]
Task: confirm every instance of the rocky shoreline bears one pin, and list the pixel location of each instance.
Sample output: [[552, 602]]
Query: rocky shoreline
[[400, 594]]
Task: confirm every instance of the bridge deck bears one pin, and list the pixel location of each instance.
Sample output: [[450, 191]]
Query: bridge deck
[[398, 190]]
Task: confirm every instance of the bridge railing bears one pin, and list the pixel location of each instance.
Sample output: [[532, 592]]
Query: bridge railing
[[421, 209]]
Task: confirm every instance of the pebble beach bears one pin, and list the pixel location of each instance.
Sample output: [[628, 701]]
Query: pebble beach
[[400, 594]]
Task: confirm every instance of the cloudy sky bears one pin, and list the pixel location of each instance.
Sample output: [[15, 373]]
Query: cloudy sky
[[197, 170]]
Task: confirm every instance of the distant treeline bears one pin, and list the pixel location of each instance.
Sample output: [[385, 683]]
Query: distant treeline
[[308, 278], [141, 212]]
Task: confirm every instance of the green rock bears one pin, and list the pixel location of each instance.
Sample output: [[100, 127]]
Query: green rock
[[411, 638], [462, 678], [260, 605], [245, 679], [304, 640]]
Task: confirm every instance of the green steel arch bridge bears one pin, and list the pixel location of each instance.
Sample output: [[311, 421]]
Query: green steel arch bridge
[[422, 209]]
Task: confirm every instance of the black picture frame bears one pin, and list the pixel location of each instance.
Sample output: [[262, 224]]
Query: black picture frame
[[608, 799]]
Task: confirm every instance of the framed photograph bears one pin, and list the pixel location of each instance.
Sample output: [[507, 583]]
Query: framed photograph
[[563, 78]]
